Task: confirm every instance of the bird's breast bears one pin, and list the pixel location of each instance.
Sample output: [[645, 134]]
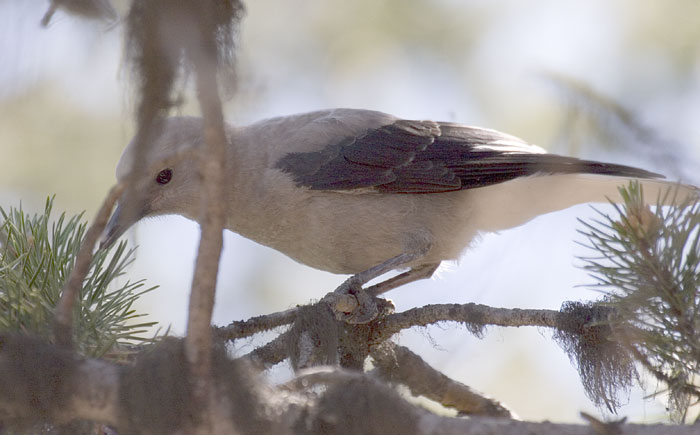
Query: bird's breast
[[348, 233]]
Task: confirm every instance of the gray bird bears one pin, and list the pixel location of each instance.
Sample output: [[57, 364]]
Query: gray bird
[[363, 192]]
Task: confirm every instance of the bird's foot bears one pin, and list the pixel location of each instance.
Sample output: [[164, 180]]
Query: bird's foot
[[351, 303]]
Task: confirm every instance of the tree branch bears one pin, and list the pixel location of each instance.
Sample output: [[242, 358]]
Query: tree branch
[[254, 325], [399, 364], [384, 327], [42, 383], [63, 320], [198, 341], [474, 316], [269, 354]]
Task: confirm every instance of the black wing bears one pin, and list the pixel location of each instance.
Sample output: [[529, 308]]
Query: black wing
[[428, 157]]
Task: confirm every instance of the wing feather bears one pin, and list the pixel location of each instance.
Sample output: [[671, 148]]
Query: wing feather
[[427, 157]]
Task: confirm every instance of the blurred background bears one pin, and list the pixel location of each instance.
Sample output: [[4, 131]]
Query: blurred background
[[610, 80]]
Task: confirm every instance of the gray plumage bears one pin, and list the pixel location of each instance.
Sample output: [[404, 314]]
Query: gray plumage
[[428, 157], [344, 190]]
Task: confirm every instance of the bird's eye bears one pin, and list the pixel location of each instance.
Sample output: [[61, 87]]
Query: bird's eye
[[164, 176]]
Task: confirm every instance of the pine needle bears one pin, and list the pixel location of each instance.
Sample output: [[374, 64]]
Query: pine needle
[[647, 263], [37, 254]]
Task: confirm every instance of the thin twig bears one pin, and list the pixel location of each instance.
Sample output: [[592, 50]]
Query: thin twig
[[475, 315], [246, 328], [49, 13], [63, 317], [198, 342], [399, 364], [269, 354]]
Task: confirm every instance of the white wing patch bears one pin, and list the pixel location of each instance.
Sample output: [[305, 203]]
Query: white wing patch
[[511, 147]]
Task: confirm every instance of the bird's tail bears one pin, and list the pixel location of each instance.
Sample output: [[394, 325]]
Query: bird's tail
[[515, 202]]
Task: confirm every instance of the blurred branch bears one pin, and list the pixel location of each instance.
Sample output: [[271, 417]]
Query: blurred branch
[[198, 341], [94, 9], [201, 34], [602, 427], [40, 382], [628, 132], [147, 398], [399, 364], [63, 321]]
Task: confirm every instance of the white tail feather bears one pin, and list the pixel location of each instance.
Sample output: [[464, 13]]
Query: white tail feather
[[515, 202]]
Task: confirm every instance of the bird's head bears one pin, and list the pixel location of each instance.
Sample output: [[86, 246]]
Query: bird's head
[[165, 176]]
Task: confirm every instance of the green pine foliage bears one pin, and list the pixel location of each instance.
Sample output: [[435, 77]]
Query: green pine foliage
[[647, 263], [37, 254]]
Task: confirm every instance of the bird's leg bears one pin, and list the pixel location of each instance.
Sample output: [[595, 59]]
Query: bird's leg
[[362, 308], [413, 274]]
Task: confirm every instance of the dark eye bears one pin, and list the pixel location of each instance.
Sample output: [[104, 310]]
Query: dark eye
[[164, 176]]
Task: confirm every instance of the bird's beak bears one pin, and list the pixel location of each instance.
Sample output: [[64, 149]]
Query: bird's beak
[[117, 225], [113, 230]]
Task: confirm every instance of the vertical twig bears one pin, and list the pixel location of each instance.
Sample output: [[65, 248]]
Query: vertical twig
[[163, 31], [198, 342], [63, 317]]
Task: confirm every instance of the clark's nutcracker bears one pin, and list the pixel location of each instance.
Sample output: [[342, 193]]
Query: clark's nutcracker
[[363, 192]]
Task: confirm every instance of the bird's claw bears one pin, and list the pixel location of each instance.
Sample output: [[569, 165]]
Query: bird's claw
[[351, 303]]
